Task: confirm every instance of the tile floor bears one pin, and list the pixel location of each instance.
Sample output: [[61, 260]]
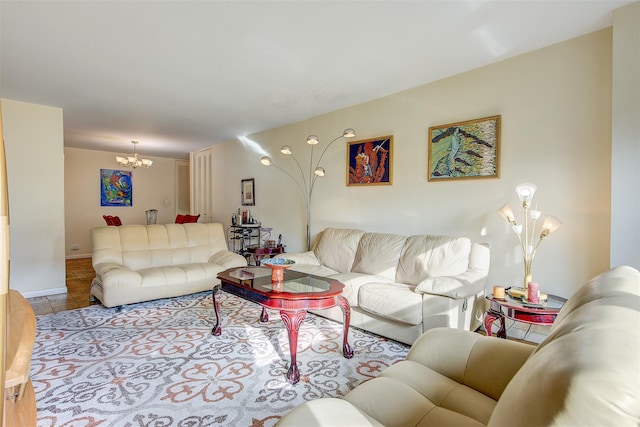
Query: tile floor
[[79, 276]]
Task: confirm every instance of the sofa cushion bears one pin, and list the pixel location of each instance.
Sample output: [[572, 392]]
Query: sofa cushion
[[442, 390], [353, 282], [426, 256], [393, 403], [336, 248], [393, 301], [180, 274], [378, 253]]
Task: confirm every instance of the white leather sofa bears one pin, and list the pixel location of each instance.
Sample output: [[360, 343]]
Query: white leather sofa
[[401, 286], [585, 373], [135, 263]]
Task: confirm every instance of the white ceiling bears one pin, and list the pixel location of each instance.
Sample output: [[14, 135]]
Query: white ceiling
[[182, 75]]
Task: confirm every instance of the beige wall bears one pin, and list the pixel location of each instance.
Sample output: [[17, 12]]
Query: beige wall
[[34, 145], [153, 188], [556, 132], [625, 173]]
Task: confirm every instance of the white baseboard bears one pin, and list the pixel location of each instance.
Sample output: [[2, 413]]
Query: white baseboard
[[77, 256], [45, 292]]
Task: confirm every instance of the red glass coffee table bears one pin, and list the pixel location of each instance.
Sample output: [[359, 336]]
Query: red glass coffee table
[[298, 293], [514, 308]]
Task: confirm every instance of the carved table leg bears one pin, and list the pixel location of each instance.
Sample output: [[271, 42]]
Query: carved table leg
[[489, 318], [217, 329], [264, 316], [347, 351], [292, 321]]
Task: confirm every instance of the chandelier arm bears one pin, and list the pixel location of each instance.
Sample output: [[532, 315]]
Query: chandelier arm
[[313, 183], [302, 190], [536, 248], [304, 180], [526, 230], [311, 170], [522, 245], [533, 229], [325, 149]]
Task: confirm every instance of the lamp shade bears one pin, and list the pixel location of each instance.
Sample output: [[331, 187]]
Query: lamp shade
[[312, 140], [550, 224], [319, 171], [349, 133], [506, 212], [525, 192], [286, 149], [266, 160]]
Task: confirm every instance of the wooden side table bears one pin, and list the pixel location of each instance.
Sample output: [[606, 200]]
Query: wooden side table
[[516, 309]]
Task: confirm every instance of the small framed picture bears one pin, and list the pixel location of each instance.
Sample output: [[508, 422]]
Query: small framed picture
[[464, 150], [248, 192], [370, 161]]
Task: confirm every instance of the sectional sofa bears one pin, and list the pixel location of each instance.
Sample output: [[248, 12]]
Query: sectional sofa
[[136, 263], [585, 373], [401, 286]]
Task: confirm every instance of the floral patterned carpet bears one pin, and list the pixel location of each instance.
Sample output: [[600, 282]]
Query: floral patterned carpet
[[157, 364]]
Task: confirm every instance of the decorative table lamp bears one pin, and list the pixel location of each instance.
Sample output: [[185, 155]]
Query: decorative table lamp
[[526, 231]]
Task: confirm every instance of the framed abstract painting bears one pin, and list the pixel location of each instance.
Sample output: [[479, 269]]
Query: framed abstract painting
[[370, 161], [464, 150], [116, 188]]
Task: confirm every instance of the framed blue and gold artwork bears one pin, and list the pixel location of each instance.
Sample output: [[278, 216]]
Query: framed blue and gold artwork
[[116, 188]]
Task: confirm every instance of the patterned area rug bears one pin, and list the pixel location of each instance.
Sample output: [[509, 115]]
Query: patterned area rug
[[157, 364]]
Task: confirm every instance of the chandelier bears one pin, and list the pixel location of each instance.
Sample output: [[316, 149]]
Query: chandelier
[[526, 231], [134, 161], [307, 183]]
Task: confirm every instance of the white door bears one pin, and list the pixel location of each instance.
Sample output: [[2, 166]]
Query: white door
[[201, 191]]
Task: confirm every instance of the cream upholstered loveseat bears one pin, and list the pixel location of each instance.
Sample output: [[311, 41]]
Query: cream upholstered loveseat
[[585, 373], [400, 286], [135, 263]]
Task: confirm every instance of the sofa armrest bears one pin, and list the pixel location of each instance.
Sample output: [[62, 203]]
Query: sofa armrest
[[228, 259], [471, 282], [462, 286], [483, 363], [112, 274], [308, 258]]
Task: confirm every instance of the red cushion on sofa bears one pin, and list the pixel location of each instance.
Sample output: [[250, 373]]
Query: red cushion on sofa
[[116, 220], [180, 219], [191, 218], [108, 219]]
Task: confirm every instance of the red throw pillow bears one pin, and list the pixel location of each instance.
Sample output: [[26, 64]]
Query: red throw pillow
[[108, 219], [190, 218], [180, 219], [116, 220]]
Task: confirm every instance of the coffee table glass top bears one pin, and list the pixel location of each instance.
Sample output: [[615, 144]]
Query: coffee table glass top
[[259, 279], [551, 303]]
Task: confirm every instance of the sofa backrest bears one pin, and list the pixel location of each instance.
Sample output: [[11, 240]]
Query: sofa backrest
[[400, 258], [378, 253], [144, 246], [425, 256], [336, 248], [587, 370]]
